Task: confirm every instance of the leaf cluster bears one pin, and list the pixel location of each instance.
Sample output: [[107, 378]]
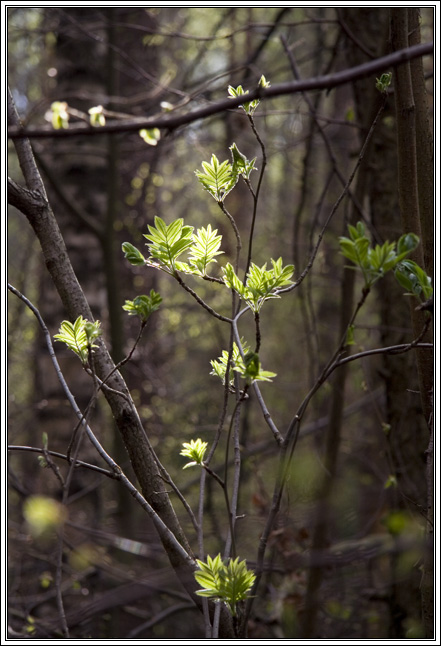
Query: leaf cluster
[[249, 106], [248, 368], [79, 336], [168, 242], [261, 283], [229, 582], [375, 262], [220, 178], [195, 450], [143, 306], [414, 279]]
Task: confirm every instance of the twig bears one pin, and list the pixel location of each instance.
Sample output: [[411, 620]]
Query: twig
[[255, 194], [275, 431], [336, 205], [199, 299], [61, 456]]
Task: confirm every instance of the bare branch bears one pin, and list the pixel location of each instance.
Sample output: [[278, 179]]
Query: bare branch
[[170, 123]]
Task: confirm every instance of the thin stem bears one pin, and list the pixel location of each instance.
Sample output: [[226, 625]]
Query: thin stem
[[236, 233], [336, 205], [255, 194], [61, 456], [199, 299], [275, 431]]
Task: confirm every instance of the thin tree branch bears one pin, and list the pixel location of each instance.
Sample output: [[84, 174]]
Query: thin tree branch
[[61, 456], [166, 535], [170, 123]]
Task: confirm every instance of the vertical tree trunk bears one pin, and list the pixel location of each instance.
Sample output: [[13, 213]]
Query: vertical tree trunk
[[414, 180]]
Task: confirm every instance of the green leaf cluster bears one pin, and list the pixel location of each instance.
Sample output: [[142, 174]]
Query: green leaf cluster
[[97, 118], [79, 336], [261, 283], [375, 262], [59, 115], [384, 82], [229, 582], [241, 165], [168, 242], [248, 368], [218, 179], [249, 106], [143, 306], [203, 250], [151, 136], [195, 450], [414, 279]]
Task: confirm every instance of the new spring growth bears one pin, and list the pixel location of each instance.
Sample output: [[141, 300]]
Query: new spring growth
[[79, 336], [384, 82], [195, 450], [227, 581]]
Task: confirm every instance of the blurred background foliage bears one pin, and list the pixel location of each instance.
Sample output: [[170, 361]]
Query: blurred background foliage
[[105, 190]]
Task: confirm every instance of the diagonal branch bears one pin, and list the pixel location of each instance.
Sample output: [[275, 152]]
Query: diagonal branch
[[170, 123]]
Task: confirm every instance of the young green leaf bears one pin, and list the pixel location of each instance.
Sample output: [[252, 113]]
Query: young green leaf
[[241, 165], [220, 365], [414, 279], [375, 262], [79, 336], [262, 283], [218, 179], [248, 368], [195, 450], [143, 306], [384, 82], [151, 136], [59, 115], [168, 242], [249, 106], [204, 249], [97, 118], [229, 582], [133, 255]]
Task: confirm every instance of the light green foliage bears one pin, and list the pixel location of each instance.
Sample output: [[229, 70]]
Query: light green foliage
[[248, 368], [229, 582], [204, 249], [241, 165], [414, 279], [97, 117], [151, 136], [168, 242], [79, 336], [218, 179], [59, 116], [195, 450], [143, 306], [133, 255], [375, 262], [261, 283], [220, 365], [384, 82], [250, 106]]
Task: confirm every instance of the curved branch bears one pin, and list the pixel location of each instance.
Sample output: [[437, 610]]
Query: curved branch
[[170, 123]]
